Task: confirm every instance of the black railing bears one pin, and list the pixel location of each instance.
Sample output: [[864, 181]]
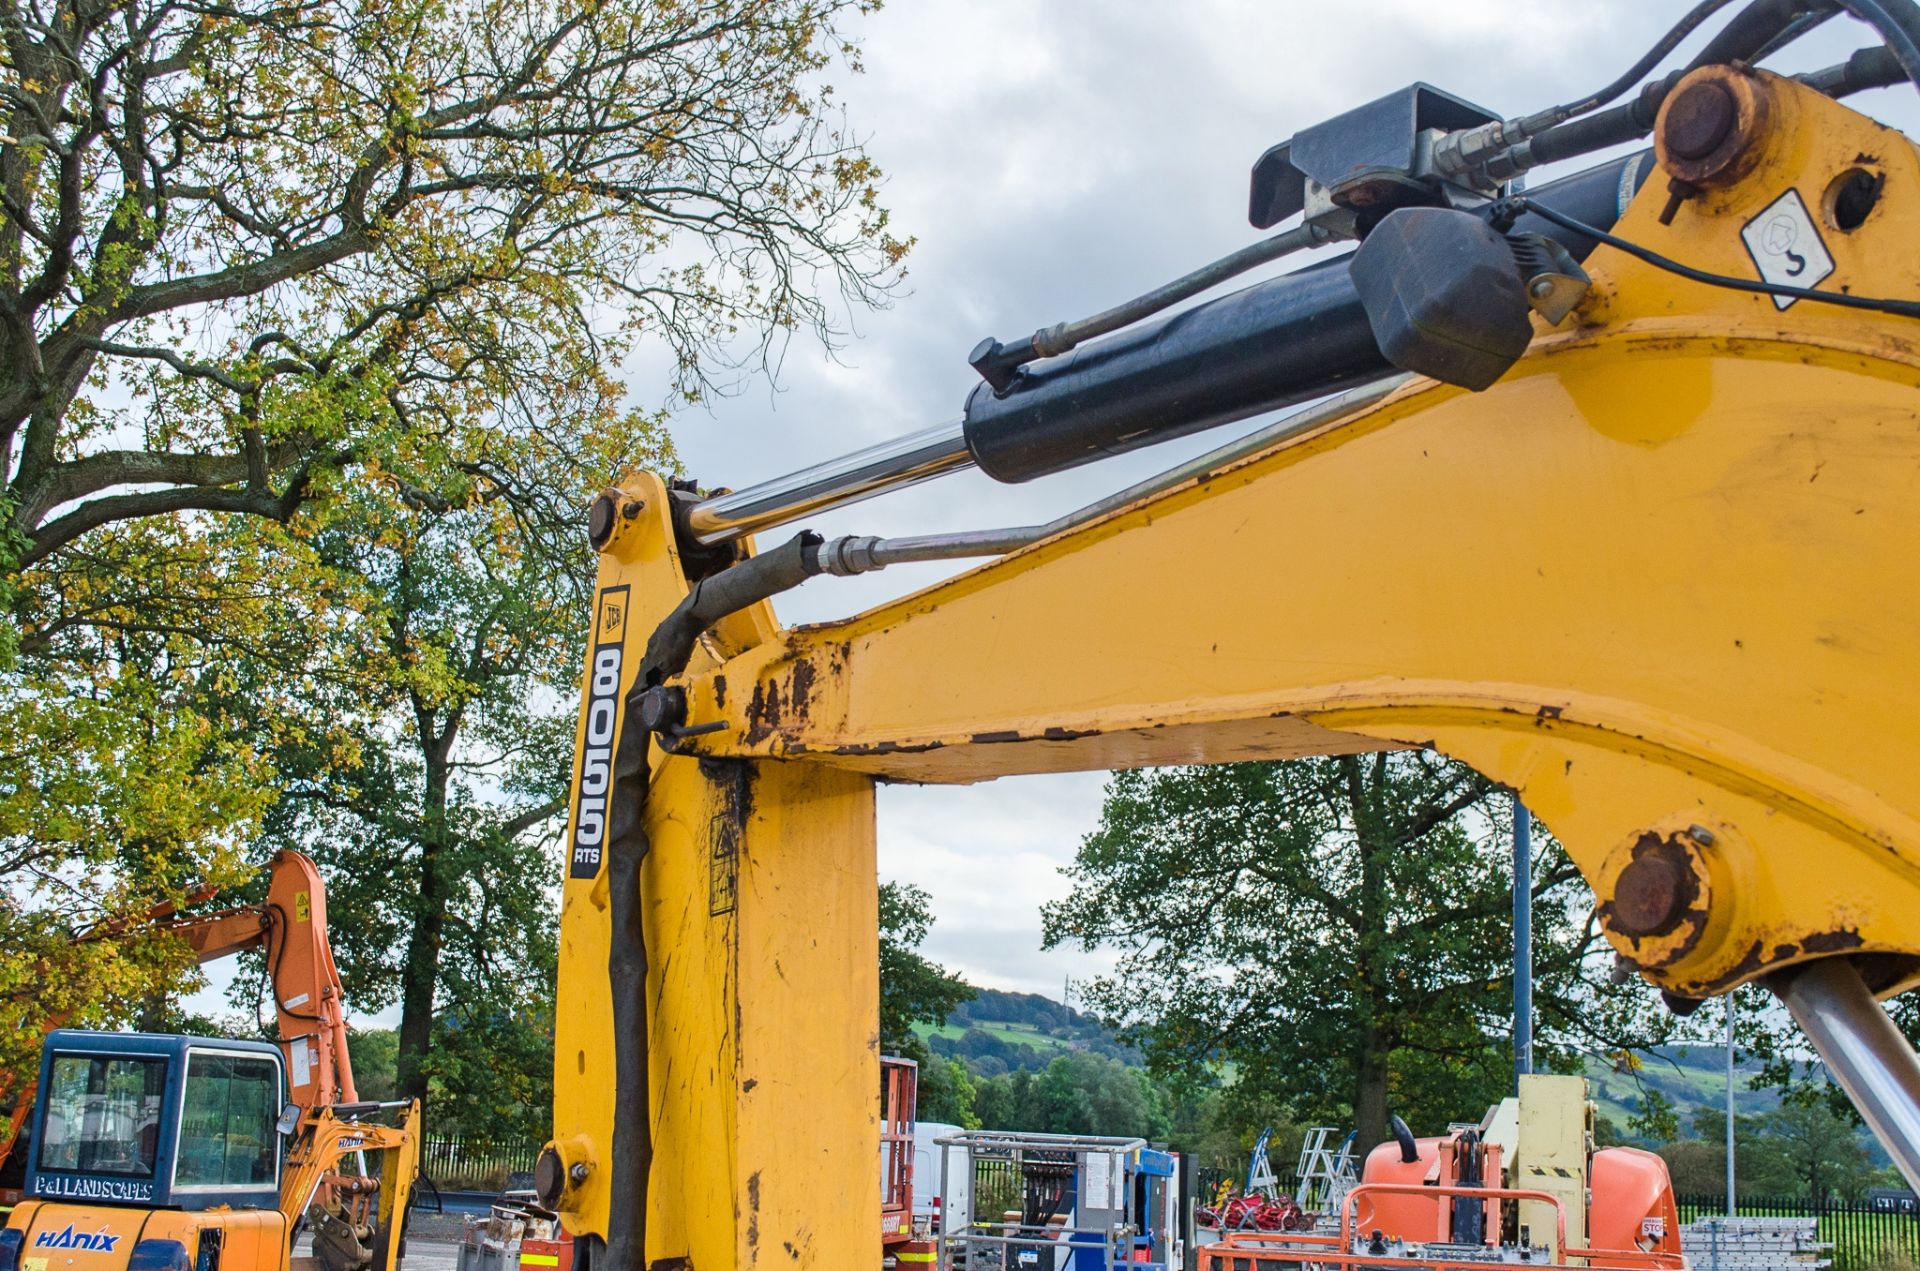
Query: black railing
[[464, 1165], [1865, 1235]]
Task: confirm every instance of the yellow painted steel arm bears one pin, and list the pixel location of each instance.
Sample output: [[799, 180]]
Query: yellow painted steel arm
[[353, 1213], [1661, 579]]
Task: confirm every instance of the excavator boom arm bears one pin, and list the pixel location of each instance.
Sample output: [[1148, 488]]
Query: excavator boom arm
[[1698, 498]]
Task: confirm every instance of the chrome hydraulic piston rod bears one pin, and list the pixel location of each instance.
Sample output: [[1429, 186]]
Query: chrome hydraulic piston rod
[[1863, 1049], [1281, 342], [890, 465]]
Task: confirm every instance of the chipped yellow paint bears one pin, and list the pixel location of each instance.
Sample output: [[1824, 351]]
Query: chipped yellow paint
[[763, 988], [1701, 507], [1701, 504]]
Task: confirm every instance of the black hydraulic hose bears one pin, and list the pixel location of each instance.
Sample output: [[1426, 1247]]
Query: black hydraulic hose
[[1794, 30], [1761, 27], [1874, 67], [1898, 24], [1640, 69], [630, 1154], [1628, 122], [714, 597], [630, 1158], [1758, 29]]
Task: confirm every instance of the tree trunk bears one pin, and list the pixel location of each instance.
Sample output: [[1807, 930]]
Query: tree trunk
[[1370, 1098], [1365, 781], [420, 974]]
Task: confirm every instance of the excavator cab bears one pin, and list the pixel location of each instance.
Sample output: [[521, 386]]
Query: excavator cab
[[153, 1153], [208, 1153], [167, 1121]]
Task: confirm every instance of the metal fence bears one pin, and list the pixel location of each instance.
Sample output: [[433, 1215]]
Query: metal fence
[[1865, 1236], [464, 1165]]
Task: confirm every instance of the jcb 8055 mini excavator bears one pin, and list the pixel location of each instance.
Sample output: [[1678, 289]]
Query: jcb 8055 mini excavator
[[1665, 406], [152, 1152]]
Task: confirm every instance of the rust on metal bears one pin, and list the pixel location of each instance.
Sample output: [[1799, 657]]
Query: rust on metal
[[1657, 900], [764, 712], [995, 736], [1702, 116], [800, 699], [1711, 128], [887, 748]]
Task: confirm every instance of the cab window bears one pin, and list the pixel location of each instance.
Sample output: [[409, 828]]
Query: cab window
[[102, 1114], [227, 1135]]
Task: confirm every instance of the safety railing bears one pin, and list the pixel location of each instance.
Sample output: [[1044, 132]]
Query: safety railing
[[1347, 1250]]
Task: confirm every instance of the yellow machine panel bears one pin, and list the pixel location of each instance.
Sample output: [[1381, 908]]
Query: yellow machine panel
[[1550, 1155], [1701, 501]]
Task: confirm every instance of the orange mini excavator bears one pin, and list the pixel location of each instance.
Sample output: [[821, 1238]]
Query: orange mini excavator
[[154, 1152]]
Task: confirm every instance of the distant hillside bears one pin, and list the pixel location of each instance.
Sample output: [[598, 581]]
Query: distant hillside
[[1000, 1032], [1689, 1076]]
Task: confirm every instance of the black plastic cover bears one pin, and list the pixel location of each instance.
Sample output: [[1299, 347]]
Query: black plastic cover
[[1377, 142], [1443, 295]]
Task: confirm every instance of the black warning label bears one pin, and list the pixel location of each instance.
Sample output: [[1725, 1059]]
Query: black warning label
[[602, 711]]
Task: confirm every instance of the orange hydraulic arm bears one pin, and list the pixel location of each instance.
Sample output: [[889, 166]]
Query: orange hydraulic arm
[[291, 925]]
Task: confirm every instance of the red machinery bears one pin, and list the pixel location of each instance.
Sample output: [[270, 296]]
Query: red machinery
[[1526, 1184], [900, 1245]]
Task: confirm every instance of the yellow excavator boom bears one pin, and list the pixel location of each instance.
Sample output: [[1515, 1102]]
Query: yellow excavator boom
[[1703, 503]]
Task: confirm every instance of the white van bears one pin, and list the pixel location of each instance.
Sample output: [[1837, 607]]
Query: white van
[[926, 1177]]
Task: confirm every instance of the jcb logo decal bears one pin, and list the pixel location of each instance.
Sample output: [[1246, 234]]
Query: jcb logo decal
[[603, 728]]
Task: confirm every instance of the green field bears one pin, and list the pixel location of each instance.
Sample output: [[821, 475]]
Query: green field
[[1016, 1034], [1688, 1076]]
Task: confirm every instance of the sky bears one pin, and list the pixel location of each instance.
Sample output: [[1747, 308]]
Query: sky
[[1052, 159]]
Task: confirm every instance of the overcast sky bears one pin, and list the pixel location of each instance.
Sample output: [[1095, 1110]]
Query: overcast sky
[[1052, 159]]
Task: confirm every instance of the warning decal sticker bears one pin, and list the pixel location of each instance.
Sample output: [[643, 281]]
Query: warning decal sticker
[[1786, 246]]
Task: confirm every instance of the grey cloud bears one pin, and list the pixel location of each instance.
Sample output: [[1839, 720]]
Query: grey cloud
[[1054, 158]]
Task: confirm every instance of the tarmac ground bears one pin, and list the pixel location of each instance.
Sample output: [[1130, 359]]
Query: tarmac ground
[[430, 1255]]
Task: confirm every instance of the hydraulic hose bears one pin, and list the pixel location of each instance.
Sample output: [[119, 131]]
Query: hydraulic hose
[[1898, 24], [1278, 343]]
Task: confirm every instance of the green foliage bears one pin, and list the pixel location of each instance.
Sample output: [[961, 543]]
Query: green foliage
[[280, 242], [321, 314], [1656, 1119], [912, 989], [1789, 1066], [1802, 1148], [118, 796], [1338, 930], [948, 1092], [375, 1062], [1076, 1094]]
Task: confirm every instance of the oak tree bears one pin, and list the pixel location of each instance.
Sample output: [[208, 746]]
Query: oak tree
[[250, 243], [292, 291], [1339, 931]]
